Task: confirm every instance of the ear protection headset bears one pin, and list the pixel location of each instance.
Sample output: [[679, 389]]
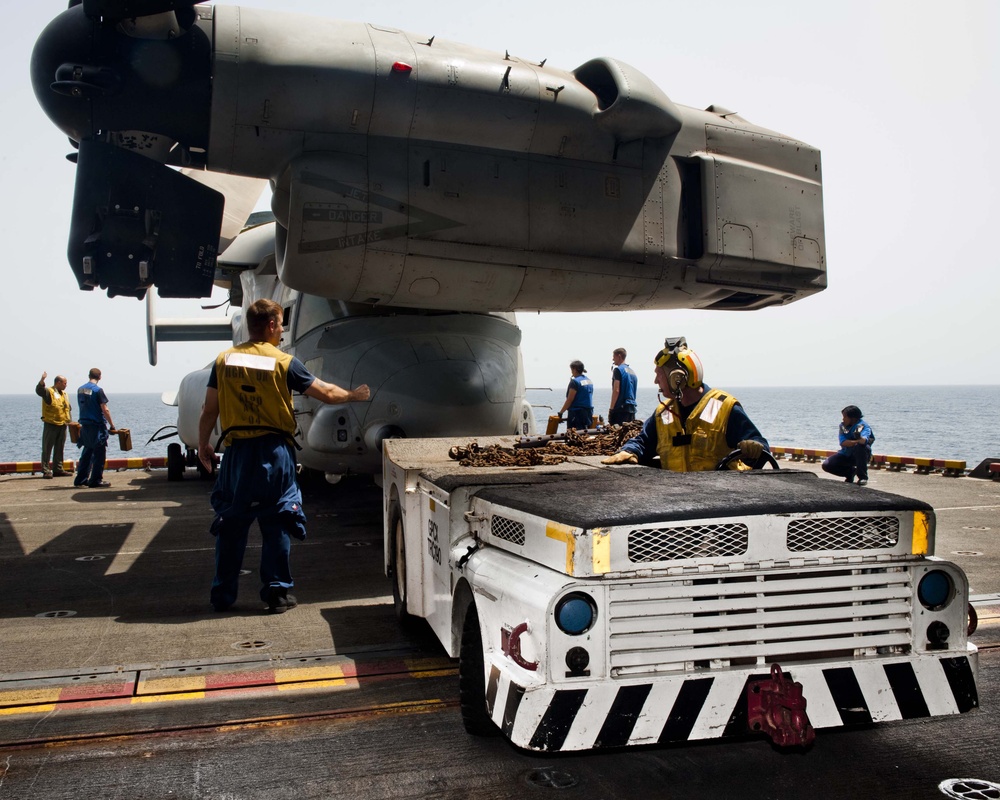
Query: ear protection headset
[[682, 365]]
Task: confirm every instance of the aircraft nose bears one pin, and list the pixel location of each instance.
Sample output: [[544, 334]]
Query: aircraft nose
[[92, 78]]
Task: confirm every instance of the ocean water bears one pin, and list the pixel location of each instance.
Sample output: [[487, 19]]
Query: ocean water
[[955, 422], [142, 414], [961, 422]]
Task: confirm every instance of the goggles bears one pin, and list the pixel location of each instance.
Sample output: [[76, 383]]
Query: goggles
[[664, 357]]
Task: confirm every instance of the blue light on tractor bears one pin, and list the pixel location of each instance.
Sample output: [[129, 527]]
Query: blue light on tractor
[[576, 613], [935, 590]]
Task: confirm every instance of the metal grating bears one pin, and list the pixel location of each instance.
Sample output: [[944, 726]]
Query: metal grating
[[842, 533], [507, 529], [696, 541], [796, 617]]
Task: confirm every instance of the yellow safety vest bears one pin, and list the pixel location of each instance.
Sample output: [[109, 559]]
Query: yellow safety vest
[[252, 379], [57, 412], [699, 444]]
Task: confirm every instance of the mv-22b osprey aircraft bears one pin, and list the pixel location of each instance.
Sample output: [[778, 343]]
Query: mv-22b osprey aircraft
[[422, 191]]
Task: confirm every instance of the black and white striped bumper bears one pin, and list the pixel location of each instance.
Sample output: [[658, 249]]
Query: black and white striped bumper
[[684, 708]]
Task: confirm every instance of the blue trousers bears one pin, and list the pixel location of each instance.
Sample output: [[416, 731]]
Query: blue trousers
[[230, 546], [620, 415], [847, 466], [579, 418], [90, 467], [256, 481]]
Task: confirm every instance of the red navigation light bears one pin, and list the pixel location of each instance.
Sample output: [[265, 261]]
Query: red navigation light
[[401, 66]]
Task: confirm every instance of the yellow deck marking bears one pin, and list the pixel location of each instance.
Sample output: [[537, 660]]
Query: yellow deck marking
[[167, 698], [192, 683], [24, 697], [42, 709], [429, 667], [340, 683], [329, 672]]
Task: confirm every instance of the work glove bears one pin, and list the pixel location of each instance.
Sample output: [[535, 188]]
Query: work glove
[[621, 457], [750, 449]]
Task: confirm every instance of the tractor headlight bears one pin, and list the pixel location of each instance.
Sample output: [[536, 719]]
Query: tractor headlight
[[576, 613], [935, 590]]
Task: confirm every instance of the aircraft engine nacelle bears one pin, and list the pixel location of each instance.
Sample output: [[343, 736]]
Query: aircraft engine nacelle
[[414, 172], [135, 221]]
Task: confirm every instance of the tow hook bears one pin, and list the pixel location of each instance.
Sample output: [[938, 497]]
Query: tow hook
[[510, 644], [776, 707]]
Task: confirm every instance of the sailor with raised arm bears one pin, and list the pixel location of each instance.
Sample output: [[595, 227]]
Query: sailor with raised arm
[[250, 392]]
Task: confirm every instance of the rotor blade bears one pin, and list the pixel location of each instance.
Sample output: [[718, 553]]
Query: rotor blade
[[241, 195]]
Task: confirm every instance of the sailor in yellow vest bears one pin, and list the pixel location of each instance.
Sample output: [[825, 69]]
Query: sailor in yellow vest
[[697, 426], [250, 391], [56, 415]]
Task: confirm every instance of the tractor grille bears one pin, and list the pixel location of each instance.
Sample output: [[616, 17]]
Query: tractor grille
[[507, 529], [717, 622], [842, 533], [697, 541]]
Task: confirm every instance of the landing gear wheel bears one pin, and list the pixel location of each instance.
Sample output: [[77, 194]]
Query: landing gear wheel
[[175, 462], [397, 566], [472, 680], [732, 456]]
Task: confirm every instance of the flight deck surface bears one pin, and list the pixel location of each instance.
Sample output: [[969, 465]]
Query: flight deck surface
[[107, 629]]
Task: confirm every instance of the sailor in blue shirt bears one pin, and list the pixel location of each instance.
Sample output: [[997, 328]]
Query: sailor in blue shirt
[[95, 422], [855, 452], [579, 399], [623, 385]]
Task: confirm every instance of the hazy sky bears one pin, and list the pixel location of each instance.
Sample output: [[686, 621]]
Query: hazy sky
[[901, 98]]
